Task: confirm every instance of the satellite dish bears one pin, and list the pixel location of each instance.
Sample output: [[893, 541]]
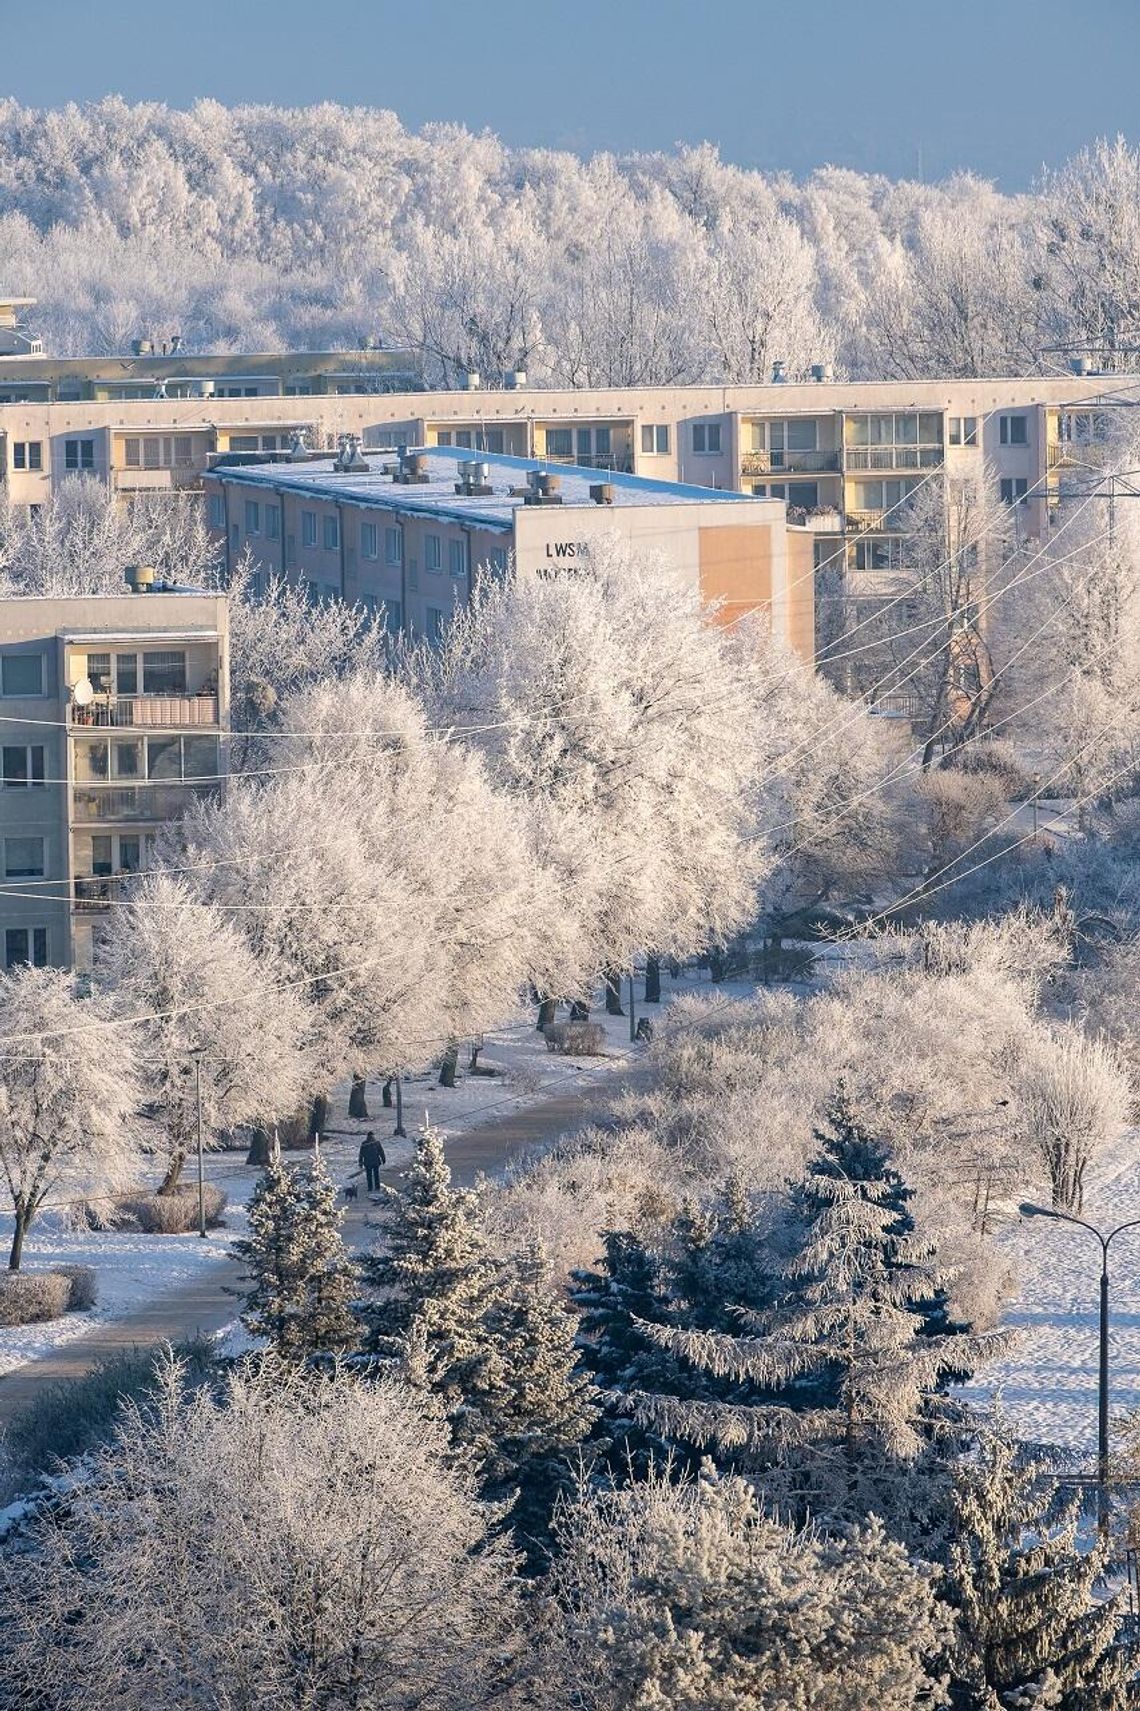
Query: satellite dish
[[82, 693]]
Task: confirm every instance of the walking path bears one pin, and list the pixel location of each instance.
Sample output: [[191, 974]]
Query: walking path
[[206, 1305]]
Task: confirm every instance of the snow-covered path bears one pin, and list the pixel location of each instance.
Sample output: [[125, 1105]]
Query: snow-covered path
[[1048, 1385]]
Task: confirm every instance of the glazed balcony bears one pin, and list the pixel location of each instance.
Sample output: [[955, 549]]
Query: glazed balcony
[[789, 462], [113, 804], [895, 457]]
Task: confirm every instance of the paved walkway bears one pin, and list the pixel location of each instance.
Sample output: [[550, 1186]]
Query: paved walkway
[[204, 1306]]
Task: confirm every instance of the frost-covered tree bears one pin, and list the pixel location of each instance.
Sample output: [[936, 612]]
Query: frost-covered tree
[[1034, 1624], [1071, 1096], [633, 730], [196, 991], [365, 1570], [69, 1088], [689, 1595], [301, 1282], [82, 539]]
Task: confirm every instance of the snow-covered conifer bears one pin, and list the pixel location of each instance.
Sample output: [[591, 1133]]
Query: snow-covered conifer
[[1030, 1603], [301, 1281]]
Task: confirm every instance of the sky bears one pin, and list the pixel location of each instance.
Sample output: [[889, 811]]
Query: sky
[[904, 87]]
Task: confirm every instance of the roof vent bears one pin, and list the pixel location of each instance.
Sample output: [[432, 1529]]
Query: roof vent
[[1080, 365], [821, 371], [543, 488], [602, 492], [142, 347], [779, 372], [474, 478], [513, 378], [413, 470], [350, 460], [470, 380], [298, 450], [140, 577]]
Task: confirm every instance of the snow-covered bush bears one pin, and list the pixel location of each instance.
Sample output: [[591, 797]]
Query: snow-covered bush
[[172, 1214], [1071, 1096], [364, 1564], [28, 1297], [84, 1285]]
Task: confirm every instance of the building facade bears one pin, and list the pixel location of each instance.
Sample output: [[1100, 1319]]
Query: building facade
[[408, 532], [113, 718]]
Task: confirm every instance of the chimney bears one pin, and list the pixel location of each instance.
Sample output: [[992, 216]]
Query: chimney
[[602, 492], [140, 578]]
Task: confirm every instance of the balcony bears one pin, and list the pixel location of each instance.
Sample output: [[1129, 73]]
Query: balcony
[[895, 457], [1076, 454], [111, 804], [871, 522], [621, 462], [161, 711], [789, 462], [94, 892]]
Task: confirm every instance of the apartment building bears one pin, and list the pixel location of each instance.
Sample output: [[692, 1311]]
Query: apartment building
[[113, 719], [409, 532]]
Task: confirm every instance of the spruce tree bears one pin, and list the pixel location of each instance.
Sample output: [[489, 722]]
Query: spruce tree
[[1032, 1630], [302, 1279]]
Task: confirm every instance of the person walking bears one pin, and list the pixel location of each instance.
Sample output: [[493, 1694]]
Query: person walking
[[372, 1156]]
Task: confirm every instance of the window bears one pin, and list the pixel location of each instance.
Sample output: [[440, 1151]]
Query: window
[[393, 546], [183, 451], [706, 437], [443, 438], [126, 674], [27, 454], [243, 442], [164, 672], [273, 522], [463, 438], [457, 558], [330, 533], [21, 674], [963, 430], [99, 671], [308, 528], [435, 624], [497, 559], [492, 440], [585, 442], [433, 552], [655, 438], [24, 946], [79, 454], [252, 517], [392, 617], [559, 442], [199, 757], [805, 494], [1013, 491], [23, 858], [1013, 430], [873, 553], [905, 429], [23, 764], [132, 453], [882, 495], [217, 511], [603, 442], [126, 759], [368, 541]]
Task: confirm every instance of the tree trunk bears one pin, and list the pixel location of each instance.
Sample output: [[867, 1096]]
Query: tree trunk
[[258, 1148], [173, 1171], [547, 1013], [449, 1066], [358, 1098], [23, 1219], [613, 992], [579, 1012], [399, 1129], [318, 1116], [473, 1060], [386, 1093], [716, 964], [652, 980]]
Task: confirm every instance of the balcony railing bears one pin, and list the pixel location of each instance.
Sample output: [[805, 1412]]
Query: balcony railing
[[94, 892], [169, 711], [111, 803], [621, 462], [874, 522], [895, 457], [788, 462], [1076, 454]]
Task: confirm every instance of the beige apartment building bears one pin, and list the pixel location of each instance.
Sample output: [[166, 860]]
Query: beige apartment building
[[408, 532], [113, 719]]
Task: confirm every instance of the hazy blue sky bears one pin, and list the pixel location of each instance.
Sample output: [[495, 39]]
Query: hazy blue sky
[[1000, 86]]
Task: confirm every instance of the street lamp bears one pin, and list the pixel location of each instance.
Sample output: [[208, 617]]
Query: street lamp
[[1029, 1210], [197, 1056]]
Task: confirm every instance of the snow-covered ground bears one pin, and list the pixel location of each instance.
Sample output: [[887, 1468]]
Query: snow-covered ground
[[1047, 1386]]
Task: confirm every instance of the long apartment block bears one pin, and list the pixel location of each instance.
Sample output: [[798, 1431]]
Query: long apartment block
[[114, 714], [407, 532]]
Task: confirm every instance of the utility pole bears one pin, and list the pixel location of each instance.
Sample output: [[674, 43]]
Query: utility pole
[[632, 1016], [201, 1160]]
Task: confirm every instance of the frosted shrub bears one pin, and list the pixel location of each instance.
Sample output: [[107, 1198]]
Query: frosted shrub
[[1071, 1096], [957, 808], [280, 1543], [169, 1214], [29, 1298], [576, 1039], [84, 1281]]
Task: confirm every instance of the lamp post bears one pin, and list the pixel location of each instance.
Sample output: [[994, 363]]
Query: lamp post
[[1029, 1210], [201, 1164]]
